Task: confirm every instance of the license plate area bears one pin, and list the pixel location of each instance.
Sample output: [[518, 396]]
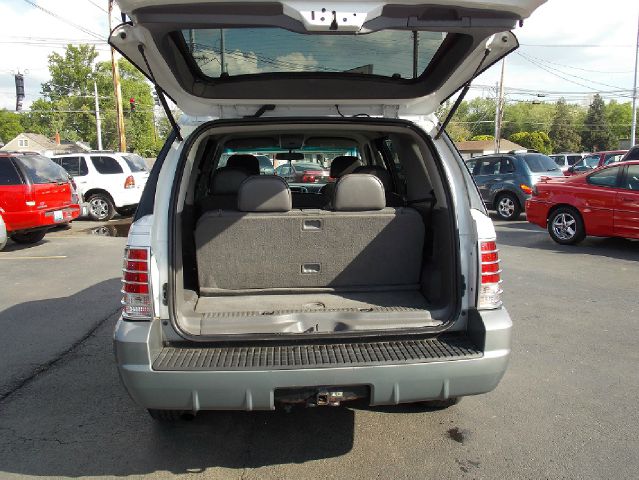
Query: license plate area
[[321, 396]]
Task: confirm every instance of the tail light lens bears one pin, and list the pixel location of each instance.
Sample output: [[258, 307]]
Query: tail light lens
[[525, 188], [137, 302], [129, 182], [308, 178], [490, 288]]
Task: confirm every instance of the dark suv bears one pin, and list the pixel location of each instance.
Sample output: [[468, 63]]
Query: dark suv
[[505, 180]]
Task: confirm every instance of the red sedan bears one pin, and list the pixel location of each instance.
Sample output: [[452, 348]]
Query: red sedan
[[603, 203]]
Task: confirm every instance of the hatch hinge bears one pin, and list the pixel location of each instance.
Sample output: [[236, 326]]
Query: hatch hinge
[[165, 294], [161, 96], [461, 95]]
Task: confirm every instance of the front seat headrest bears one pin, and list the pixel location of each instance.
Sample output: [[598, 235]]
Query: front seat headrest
[[343, 165], [227, 180], [266, 193], [379, 172], [358, 192], [250, 163]]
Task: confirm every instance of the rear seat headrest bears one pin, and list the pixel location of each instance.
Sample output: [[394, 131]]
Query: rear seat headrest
[[358, 192], [250, 163], [379, 172], [268, 193], [343, 165], [227, 180]]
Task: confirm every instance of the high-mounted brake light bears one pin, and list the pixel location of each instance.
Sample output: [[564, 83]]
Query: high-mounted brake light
[[490, 288], [129, 182], [137, 302]]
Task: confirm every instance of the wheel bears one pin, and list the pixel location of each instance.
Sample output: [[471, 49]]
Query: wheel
[[566, 226], [507, 206], [101, 207], [126, 211], [29, 237], [3, 242], [440, 404], [167, 415]]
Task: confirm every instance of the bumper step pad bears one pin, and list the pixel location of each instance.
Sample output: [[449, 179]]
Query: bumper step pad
[[282, 357]]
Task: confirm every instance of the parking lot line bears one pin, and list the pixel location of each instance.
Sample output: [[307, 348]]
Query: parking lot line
[[43, 257]]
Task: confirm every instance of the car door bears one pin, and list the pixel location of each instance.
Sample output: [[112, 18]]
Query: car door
[[487, 173], [598, 200], [12, 194], [110, 176], [77, 168], [626, 222]]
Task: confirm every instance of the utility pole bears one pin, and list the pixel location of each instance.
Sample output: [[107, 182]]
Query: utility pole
[[98, 120], [117, 89], [19, 78], [415, 53], [633, 129], [191, 41], [222, 50], [499, 110]]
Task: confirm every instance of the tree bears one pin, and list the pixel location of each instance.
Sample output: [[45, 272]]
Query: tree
[[483, 137], [619, 116], [596, 134], [458, 131], [527, 117], [10, 125], [563, 133], [533, 140]]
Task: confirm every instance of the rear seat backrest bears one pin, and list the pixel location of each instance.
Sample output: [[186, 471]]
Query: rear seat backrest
[[358, 192], [264, 194], [340, 166], [247, 162], [392, 199]]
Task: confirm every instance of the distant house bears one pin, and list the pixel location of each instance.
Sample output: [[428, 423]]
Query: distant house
[[34, 142], [475, 148]]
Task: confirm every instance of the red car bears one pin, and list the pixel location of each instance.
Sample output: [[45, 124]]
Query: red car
[[603, 203], [35, 194], [595, 160]]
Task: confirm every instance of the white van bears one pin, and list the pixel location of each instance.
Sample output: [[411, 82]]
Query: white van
[[243, 292]]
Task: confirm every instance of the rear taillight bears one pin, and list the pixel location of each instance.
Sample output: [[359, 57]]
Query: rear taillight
[[308, 179], [490, 288], [525, 188], [137, 303], [129, 182]]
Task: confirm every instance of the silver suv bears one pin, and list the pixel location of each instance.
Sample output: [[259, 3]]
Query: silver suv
[[240, 292]]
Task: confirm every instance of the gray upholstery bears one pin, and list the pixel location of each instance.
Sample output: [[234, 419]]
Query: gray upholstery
[[250, 163], [227, 181], [379, 172], [268, 193], [343, 165], [358, 192], [307, 249]]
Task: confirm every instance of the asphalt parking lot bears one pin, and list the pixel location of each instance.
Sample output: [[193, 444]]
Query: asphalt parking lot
[[566, 408]]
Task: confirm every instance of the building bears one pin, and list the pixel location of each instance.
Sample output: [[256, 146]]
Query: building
[[34, 142], [476, 148]]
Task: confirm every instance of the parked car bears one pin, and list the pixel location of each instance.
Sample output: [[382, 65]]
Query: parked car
[[505, 180], [595, 160], [109, 181], [604, 203], [566, 160], [303, 173], [632, 154], [266, 165], [3, 232], [35, 195], [277, 298]]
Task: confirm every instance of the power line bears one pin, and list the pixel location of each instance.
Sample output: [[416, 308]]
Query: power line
[[68, 22], [577, 68], [574, 45]]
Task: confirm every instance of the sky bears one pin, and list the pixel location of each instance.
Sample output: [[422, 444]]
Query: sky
[[570, 48]]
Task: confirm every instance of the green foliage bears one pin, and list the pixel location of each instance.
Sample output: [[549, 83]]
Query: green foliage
[[619, 118], [563, 131], [483, 137], [596, 134], [458, 132], [527, 117], [533, 140], [10, 125]]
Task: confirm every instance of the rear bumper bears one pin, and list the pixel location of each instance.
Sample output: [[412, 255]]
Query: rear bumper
[[138, 344], [537, 212], [38, 219], [128, 197]]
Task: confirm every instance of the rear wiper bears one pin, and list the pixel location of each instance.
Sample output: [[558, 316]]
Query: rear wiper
[[461, 95], [161, 96]]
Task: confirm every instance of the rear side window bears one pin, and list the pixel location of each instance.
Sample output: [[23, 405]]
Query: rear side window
[[8, 173], [605, 178], [41, 169], [76, 166], [559, 159], [572, 159], [135, 162], [540, 163], [633, 154], [613, 158], [488, 166], [632, 178], [106, 165]]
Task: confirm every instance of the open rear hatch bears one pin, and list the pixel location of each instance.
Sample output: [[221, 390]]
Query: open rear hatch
[[384, 58]]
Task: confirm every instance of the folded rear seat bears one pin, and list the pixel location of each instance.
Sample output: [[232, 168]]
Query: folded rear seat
[[267, 247]]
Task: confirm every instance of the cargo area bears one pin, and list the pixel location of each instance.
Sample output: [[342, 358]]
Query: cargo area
[[368, 247]]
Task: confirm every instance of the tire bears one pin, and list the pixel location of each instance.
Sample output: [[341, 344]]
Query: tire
[[566, 227], [126, 211], [29, 237], [167, 415], [101, 208], [507, 206], [3, 242], [440, 404]]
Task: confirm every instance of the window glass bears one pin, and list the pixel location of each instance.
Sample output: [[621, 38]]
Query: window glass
[[470, 164], [633, 154], [605, 178], [632, 178], [507, 166], [572, 159], [591, 161], [559, 160], [41, 169], [488, 166], [76, 166], [135, 162], [538, 162], [8, 173], [106, 165], [612, 158]]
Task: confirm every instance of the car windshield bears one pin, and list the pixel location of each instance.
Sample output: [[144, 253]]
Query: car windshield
[[540, 163], [41, 169], [242, 51], [303, 167], [135, 162], [590, 161]]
